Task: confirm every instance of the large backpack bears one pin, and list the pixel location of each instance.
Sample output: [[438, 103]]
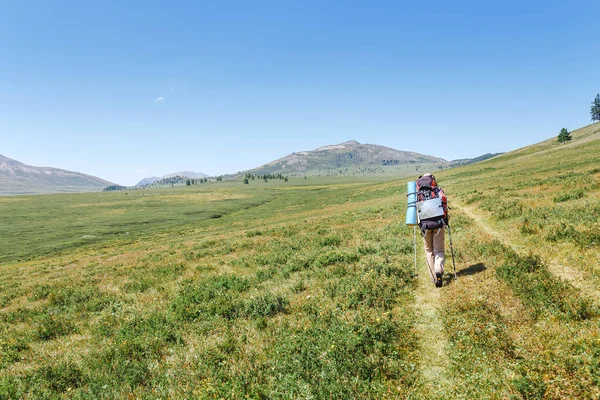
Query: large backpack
[[432, 207]]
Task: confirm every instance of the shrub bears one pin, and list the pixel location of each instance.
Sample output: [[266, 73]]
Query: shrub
[[210, 298], [78, 298], [11, 349], [139, 285], [266, 305], [53, 326], [333, 240], [333, 257], [60, 377], [299, 286], [134, 350], [575, 195], [40, 292], [337, 357], [530, 386], [534, 284]]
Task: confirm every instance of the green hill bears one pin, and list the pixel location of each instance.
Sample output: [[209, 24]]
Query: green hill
[[523, 319], [305, 289], [19, 178]]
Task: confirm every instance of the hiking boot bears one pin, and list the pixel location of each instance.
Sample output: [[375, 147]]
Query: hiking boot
[[438, 279]]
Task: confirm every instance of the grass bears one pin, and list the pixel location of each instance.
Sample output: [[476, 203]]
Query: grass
[[308, 283], [525, 323], [304, 289]]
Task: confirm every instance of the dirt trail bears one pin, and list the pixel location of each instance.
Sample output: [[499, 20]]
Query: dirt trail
[[569, 274], [434, 362]]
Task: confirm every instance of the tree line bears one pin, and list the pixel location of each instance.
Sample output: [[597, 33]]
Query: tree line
[[266, 177]]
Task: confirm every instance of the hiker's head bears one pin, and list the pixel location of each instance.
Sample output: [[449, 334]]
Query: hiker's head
[[430, 179]]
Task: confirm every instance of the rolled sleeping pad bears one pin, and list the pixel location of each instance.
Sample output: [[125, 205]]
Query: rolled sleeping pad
[[411, 210]]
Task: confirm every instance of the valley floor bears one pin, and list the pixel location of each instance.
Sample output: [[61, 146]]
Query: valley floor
[[308, 290]]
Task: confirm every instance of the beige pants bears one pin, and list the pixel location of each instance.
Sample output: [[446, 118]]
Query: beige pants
[[434, 249]]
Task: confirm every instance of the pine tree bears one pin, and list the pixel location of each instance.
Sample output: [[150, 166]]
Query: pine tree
[[246, 181], [595, 111], [564, 136]]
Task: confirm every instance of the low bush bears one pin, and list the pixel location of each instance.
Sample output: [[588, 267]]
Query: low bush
[[53, 326], [40, 292], [336, 357], [135, 348], [266, 305], [333, 257], [332, 240], [77, 298], [11, 349], [535, 285], [574, 195], [211, 297]]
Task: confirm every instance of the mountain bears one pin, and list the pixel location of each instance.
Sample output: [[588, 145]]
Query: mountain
[[148, 181], [348, 157], [19, 178], [185, 174]]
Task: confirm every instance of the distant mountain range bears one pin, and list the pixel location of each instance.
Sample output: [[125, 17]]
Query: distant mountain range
[[347, 156], [185, 174], [19, 178], [466, 161]]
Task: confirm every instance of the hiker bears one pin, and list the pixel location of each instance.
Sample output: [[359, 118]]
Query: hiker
[[432, 209]]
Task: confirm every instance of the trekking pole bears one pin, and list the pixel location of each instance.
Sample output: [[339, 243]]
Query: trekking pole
[[430, 271], [452, 250], [415, 248]]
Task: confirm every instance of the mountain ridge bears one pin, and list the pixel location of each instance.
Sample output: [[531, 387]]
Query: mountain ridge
[[20, 178], [185, 174], [359, 157]]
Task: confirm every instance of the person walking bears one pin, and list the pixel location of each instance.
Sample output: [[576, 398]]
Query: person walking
[[432, 210]]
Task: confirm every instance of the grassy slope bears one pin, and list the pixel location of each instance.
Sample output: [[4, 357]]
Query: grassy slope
[[303, 290], [295, 290], [518, 324]]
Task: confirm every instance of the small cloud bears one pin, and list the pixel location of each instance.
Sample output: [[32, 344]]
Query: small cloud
[[159, 99]]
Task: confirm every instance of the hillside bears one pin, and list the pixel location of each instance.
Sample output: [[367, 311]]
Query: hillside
[[19, 178], [346, 158], [467, 161], [525, 311], [307, 289], [185, 174]]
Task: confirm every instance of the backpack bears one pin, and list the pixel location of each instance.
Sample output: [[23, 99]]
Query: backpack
[[432, 205]]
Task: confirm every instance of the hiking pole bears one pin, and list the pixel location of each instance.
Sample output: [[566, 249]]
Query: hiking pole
[[415, 248], [452, 250], [429, 268]]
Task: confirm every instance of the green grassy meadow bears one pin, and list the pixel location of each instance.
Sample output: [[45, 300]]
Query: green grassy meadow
[[306, 289]]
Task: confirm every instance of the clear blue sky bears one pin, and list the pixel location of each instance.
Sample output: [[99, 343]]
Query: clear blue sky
[[124, 90]]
